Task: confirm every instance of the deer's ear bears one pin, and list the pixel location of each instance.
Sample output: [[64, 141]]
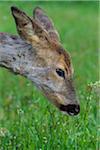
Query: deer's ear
[[27, 28], [47, 23], [23, 23]]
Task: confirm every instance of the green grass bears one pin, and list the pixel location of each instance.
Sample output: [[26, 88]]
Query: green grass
[[27, 120]]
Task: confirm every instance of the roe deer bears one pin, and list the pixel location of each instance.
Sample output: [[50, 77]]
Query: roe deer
[[49, 64]]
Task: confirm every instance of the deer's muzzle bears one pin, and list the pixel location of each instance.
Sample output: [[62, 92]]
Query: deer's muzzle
[[71, 109]]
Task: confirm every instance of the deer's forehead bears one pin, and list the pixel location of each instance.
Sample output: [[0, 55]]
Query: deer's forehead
[[54, 55]]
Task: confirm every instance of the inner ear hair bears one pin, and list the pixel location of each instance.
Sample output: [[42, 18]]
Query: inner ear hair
[[46, 22]]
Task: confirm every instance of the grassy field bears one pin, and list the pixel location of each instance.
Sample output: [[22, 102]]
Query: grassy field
[[27, 120]]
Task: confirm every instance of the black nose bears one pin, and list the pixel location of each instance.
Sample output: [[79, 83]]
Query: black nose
[[71, 109]]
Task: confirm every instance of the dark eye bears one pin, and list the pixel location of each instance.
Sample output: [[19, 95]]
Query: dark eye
[[60, 72]]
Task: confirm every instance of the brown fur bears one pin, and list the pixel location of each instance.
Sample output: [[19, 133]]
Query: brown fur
[[49, 56]]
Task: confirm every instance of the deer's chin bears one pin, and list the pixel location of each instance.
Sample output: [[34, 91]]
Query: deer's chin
[[72, 114], [66, 113], [70, 109]]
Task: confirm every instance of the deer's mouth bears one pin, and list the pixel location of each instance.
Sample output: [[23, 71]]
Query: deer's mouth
[[71, 109]]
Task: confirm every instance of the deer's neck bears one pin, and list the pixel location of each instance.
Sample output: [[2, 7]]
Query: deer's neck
[[21, 58]]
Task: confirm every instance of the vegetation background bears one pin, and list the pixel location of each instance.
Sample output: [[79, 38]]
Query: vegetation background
[[27, 120]]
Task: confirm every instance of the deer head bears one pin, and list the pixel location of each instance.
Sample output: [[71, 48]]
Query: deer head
[[50, 65]]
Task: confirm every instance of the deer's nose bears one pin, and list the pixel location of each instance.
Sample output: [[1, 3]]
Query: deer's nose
[[71, 109]]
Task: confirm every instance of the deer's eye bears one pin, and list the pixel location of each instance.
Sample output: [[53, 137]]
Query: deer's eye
[[60, 72]]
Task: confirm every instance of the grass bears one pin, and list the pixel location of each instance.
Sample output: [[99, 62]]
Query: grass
[[27, 120]]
